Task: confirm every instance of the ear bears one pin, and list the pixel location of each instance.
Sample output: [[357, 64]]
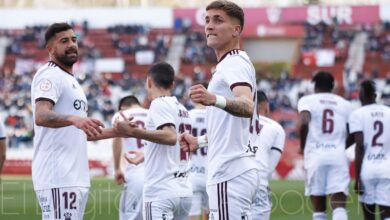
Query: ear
[[149, 82], [236, 31], [172, 86]]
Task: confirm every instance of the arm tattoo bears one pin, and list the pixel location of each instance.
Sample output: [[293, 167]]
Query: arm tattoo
[[48, 118], [240, 107]]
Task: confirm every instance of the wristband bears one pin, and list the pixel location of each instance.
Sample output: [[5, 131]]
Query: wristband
[[220, 102], [202, 142]]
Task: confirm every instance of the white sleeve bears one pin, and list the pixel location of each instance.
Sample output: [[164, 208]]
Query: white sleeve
[[273, 160], [47, 86], [237, 73], [2, 130], [355, 122], [161, 114], [280, 138], [304, 104]]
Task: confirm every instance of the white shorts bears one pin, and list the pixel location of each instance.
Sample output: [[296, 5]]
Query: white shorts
[[326, 180], [233, 199], [200, 200], [168, 209], [376, 191], [63, 203], [130, 206], [263, 203]]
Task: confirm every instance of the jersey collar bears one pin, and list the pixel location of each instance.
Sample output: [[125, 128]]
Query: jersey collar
[[231, 52], [52, 63]]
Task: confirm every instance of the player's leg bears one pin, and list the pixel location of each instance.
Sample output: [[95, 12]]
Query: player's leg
[[130, 205], [158, 210], [205, 204], [63, 203], [384, 212], [196, 206], [367, 199], [182, 208], [319, 207], [261, 209], [233, 199], [368, 211], [382, 196], [337, 187], [315, 188]]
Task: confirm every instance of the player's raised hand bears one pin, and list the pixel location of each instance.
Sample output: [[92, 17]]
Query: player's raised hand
[[188, 143], [136, 157], [125, 126], [359, 187], [92, 127], [199, 94]]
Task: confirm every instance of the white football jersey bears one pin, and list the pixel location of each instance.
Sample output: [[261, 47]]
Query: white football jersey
[[199, 157], [60, 154], [271, 137], [140, 115], [229, 153], [3, 134], [326, 140], [166, 167], [374, 121]]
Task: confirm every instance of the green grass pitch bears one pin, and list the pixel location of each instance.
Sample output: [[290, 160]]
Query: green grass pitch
[[18, 201]]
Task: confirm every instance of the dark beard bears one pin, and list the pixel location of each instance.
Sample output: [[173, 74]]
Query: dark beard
[[67, 61]]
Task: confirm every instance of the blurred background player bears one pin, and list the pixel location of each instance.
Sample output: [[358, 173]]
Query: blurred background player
[[3, 145], [198, 173], [60, 169], [132, 175], [230, 100], [270, 145], [167, 190], [370, 126], [323, 133]]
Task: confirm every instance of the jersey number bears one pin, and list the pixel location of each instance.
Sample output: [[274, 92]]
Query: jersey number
[[140, 124], [69, 200], [378, 127], [183, 128], [327, 121]]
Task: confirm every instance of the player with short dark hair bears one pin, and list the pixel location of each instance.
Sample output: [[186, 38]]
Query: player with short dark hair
[[167, 191], [60, 169], [131, 175], [230, 103], [323, 134], [370, 126]]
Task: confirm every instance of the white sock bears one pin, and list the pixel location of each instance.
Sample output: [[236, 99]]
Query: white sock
[[319, 216], [340, 214]]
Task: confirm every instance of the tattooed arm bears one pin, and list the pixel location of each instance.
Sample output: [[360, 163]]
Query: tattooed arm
[[241, 105], [46, 117]]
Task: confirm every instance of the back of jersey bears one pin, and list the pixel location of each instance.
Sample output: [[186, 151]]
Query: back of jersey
[[326, 140], [374, 121], [140, 116], [199, 157]]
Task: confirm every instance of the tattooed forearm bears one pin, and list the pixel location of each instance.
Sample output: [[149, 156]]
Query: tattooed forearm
[[240, 107], [44, 116]]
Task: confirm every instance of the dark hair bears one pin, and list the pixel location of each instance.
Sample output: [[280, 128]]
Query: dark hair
[[128, 101], [323, 81], [261, 96], [368, 87], [162, 74], [55, 28], [230, 8]]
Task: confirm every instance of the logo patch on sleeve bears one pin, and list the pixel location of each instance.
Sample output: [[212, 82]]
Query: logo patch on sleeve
[[45, 85]]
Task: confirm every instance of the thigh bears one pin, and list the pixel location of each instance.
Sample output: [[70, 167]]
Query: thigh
[[337, 180], [382, 192], [196, 206], [63, 203], [182, 208], [315, 181], [130, 206], [233, 199], [262, 204], [368, 196], [159, 210]]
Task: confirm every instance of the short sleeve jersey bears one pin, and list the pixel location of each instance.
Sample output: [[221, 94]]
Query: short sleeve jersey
[[60, 154], [374, 121], [166, 167], [271, 137], [228, 135], [199, 157], [140, 116], [2, 130], [326, 140]]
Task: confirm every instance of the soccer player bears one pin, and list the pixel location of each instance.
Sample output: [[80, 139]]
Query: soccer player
[[3, 145], [323, 134], [229, 100], [198, 173], [270, 145], [60, 170], [130, 206], [370, 126], [167, 191]]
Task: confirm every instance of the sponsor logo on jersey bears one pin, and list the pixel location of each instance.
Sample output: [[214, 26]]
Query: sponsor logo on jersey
[[80, 104]]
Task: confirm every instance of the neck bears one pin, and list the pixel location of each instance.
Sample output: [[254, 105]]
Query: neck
[[160, 92], [68, 69], [234, 44], [368, 102]]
